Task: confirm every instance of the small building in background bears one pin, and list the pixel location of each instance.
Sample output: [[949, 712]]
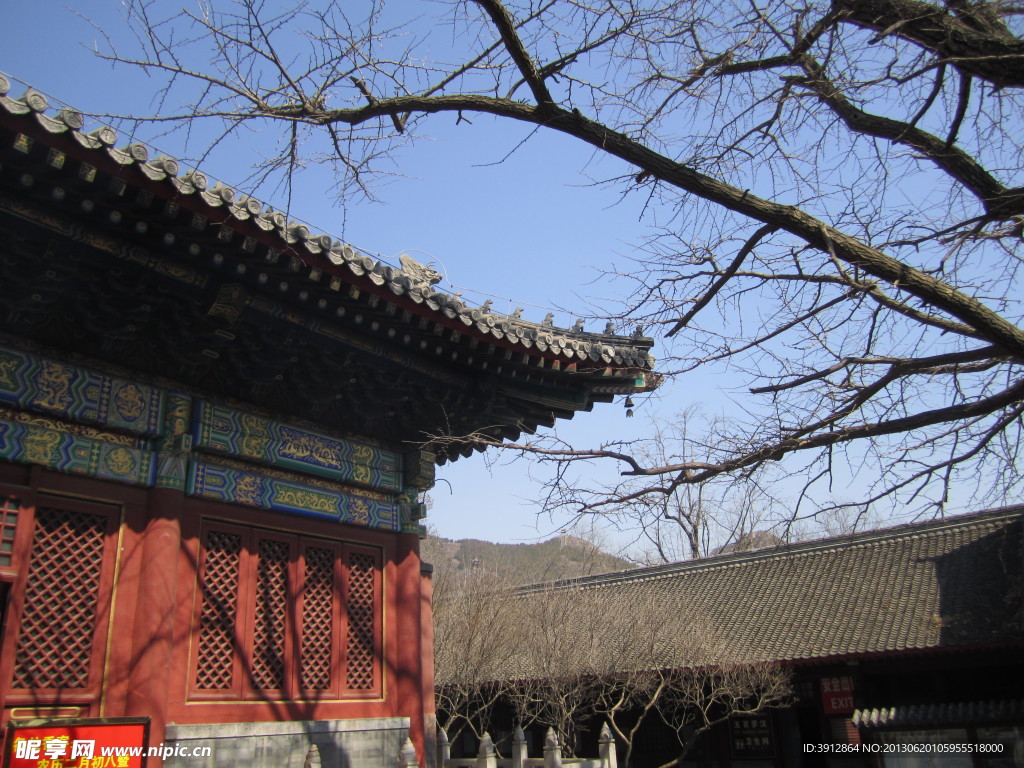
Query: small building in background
[[905, 647]]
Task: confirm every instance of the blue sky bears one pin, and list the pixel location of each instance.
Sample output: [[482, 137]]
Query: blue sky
[[530, 230]]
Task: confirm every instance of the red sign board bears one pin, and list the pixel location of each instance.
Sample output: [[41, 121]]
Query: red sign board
[[837, 695], [117, 742]]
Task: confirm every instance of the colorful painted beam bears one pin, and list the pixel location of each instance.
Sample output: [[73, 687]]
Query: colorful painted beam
[[210, 481], [230, 432], [33, 383]]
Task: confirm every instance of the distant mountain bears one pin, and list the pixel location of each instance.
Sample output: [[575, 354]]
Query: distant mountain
[[563, 557]]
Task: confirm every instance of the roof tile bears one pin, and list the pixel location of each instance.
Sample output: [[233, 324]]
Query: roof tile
[[940, 584]]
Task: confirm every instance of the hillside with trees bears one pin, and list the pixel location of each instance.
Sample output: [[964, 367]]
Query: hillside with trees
[[563, 557]]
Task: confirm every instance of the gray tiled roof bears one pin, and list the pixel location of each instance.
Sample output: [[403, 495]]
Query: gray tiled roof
[[941, 584], [919, 715]]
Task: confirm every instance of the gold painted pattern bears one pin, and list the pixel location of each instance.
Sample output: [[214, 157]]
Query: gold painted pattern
[[359, 511], [119, 461], [71, 428], [296, 477], [54, 386], [8, 365], [306, 499], [42, 446], [307, 448], [248, 489], [255, 436], [129, 402]]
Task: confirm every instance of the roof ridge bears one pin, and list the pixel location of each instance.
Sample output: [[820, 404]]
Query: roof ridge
[[803, 548]]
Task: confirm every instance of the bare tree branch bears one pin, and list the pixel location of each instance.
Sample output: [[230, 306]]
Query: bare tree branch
[[873, 319]]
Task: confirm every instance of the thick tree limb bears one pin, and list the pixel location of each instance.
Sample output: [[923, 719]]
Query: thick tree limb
[[986, 323], [997, 199], [976, 43], [885, 307], [506, 27]]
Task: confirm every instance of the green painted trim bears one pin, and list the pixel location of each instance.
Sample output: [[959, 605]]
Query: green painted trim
[[32, 383], [234, 486], [177, 426], [75, 454], [226, 431]]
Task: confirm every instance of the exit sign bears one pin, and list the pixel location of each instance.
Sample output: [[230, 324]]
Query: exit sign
[[837, 695]]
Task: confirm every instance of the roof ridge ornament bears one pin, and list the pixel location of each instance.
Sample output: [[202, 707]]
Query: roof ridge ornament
[[420, 274]]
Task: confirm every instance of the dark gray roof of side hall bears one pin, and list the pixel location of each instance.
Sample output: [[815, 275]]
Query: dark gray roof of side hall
[[942, 584]]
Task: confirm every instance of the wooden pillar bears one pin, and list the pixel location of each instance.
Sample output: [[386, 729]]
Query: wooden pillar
[[409, 662], [427, 661], [151, 656]]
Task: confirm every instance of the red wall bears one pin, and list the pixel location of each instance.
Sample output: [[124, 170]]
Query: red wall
[[144, 644]]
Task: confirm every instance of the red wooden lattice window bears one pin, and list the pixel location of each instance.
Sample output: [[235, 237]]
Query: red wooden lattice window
[[286, 617], [318, 666], [268, 653], [361, 607], [8, 522], [217, 622], [61, 638]]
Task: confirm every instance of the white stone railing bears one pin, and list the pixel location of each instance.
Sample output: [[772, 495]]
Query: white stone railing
[[486, 757], [407, 757]]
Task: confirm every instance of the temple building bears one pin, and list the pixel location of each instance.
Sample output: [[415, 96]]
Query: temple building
[[214, 445]]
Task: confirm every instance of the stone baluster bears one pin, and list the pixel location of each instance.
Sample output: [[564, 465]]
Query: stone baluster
[[518, 748], [407, 757], [552, 750], [486, 758], [444, 749], [606, 748]]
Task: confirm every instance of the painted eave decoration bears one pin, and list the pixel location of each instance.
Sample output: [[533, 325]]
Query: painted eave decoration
[[115, 256]]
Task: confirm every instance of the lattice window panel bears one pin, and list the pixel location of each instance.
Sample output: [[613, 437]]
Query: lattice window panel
[[61, 600], [8, 522], [361, 622], [317, 619], [269, 619], [216, 654]]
